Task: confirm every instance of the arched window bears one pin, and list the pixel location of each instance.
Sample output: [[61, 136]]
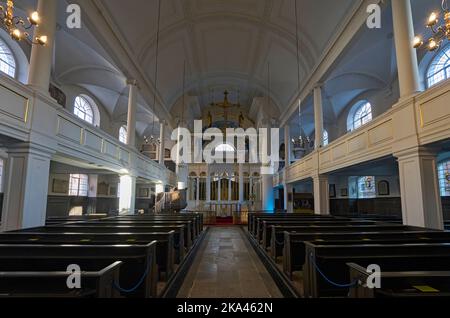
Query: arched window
[[84, 109], [7, 61], [439, 69], [444, 178], [123, 134], [366, 188], [78, 185], [225, 148], [325, 138], [360, 115]]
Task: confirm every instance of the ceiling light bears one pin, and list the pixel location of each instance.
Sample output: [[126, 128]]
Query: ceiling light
[[17, 27], [440, 32]]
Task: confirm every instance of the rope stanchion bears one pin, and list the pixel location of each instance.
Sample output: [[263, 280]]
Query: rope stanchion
[[352, 284]]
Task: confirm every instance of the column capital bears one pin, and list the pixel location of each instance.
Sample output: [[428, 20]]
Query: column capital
[[416, 151], [320, 177], [132, 82], [318, 85], [31, 148]]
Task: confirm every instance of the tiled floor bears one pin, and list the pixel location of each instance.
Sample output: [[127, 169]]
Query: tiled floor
[[228, 267]]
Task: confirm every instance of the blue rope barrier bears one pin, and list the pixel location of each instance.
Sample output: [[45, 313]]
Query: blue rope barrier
[[329, 280], [140, 282]]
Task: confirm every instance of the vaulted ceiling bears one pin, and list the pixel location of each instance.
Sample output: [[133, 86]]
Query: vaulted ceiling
[[226, 44]]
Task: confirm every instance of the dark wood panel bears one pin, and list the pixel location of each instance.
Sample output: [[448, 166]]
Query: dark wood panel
[[381, 206]]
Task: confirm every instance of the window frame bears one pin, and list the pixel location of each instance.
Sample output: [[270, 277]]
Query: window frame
[[363, 115], [82, 186], [361, 194], [433, 67], [123, 134], [443, 174], [77, 110], [325, 138], [5, 50]]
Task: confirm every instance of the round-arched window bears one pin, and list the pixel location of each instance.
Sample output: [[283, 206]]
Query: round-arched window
[[360, 114], [439, 69], [7, 60], [84, 109], [123, 134]]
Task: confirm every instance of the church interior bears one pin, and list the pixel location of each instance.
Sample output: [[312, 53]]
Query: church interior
[[224, 149]]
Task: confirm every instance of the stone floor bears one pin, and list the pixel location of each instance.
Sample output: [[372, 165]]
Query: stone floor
[[228, 267]]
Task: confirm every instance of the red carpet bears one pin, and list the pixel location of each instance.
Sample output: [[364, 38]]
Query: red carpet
[[224, 220]]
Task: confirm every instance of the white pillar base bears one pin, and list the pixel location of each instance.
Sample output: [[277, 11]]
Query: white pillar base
[[288, 206], [27, 177], [321, 195], [127, 200], [268, 198], [421, 200]]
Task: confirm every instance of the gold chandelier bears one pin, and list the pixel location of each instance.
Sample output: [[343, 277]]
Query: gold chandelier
[[440, 32], [17, 27]]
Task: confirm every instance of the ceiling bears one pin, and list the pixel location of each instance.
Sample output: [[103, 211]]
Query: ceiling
[[226, 44]]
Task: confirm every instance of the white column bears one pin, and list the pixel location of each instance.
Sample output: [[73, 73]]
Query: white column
[[408, 70], [197, 194], [127, 194], [131, 119], [182, 173], [321, 195], [219, 194], [159, 188], [92, 193], [241, 183], [318, 116], [287, 145], [288, 206], [42, 56], [268, 198], [162, 145], [208, 188], [27, 177], [419, 185], [229, 190]]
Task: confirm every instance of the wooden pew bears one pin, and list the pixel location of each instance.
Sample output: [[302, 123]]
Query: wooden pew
[[258, 221], [253, 215], [165, 250], [179, 234], [51, 282], [277, 232], [197, 218], [78, 218], [189, 238], [265, 235], [294, 243], [400, 283], [191, 228], [332, 259], [138, 261]]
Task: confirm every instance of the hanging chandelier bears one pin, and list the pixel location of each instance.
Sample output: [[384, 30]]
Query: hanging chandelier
[[17, 27], [300, 142], [156, 141], [441, 32]]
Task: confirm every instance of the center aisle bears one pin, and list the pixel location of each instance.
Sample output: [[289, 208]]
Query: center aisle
[[228, 267]]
